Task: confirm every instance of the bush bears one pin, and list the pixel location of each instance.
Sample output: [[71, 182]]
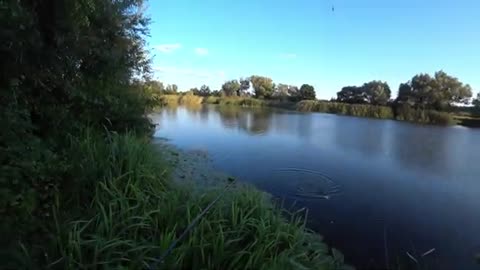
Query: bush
[[361, 110], [404, 112], [169, 100], [190, 99], [211, 100]]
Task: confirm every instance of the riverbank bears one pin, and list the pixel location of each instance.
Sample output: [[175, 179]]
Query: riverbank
[[132, 198], [247, 216], [399, 113]]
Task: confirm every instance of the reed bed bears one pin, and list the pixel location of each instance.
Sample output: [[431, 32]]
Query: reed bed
[[125, 212]]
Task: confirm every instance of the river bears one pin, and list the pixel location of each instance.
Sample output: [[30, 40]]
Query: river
[[375, 189]]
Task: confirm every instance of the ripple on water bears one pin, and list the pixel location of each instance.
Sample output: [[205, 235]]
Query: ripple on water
[[316, 185]]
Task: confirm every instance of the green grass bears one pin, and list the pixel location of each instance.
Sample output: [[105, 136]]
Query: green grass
[[401, 113], [122, 211], [360, 110]]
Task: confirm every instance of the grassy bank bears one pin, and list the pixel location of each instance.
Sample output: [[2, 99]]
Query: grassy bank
[[382, 112], [401, 113], [123, 212]]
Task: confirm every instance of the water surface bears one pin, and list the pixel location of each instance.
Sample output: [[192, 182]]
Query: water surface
[[375, 189]]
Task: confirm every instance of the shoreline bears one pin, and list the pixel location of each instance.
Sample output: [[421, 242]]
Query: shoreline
[[191, 166]]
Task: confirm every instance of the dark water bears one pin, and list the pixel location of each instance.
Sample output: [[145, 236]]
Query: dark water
[[368, 184]]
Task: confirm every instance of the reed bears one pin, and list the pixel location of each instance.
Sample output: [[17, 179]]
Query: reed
[[128, 212]]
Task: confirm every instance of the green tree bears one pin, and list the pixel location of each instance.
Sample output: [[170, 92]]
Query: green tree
[[263, 86], [244, 86], [436, 92], [307, 92], [155, 86], [231, 88], [476, 102], [204, 91], [352, 94], [374, 92], [65, 65], [377, 92], [171, 89], [281, 91]]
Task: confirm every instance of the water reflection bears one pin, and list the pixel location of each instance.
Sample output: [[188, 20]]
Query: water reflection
[[363, 136], [421, 148], [253, 120]]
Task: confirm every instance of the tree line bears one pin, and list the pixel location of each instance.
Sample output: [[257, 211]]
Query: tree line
[[263, 88], [437, 92]]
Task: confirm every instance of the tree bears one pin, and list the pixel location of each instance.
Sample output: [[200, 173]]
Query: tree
[[155, 86], [204, 91], [244, 86], [231, 88], [377, 92], [307, 92], [352, 94], [476, 102], [293, 93], [171, 89], [195, 91], [374, 92], [436, 92], [216, 93], [66, 66], [281, 91], [263, 86]]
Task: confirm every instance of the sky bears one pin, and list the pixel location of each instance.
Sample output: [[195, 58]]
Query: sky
[[326, 43]]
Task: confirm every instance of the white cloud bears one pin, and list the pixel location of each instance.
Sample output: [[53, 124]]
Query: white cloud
[[201, 51], [288, 55], [168, 48]]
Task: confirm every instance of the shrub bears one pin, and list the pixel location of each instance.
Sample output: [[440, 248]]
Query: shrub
[[361, 110], [404, 112], [190, 99]]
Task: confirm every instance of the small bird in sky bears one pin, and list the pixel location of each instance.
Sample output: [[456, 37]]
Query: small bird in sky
[[333, 8]]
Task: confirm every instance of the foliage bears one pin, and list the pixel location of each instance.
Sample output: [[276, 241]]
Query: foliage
[[211, 100], [136, 213], [237, 101], [361, 110], [307, 92], [231, 88], [402, 112], [263, 86], [171, 89], [204, 91], [438, 92], [244, 86], [374, 92], [65, 65], [170, 100], [405, 112], [476, 102], [190, 99]]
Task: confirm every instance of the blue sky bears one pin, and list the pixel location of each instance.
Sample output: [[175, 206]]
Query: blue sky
[[304, 41]]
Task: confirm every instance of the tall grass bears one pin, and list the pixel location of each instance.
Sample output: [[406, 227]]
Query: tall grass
[[190, 100], [361, 110], [127, 212], [169, 100], [407, 113], [401, 112]]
